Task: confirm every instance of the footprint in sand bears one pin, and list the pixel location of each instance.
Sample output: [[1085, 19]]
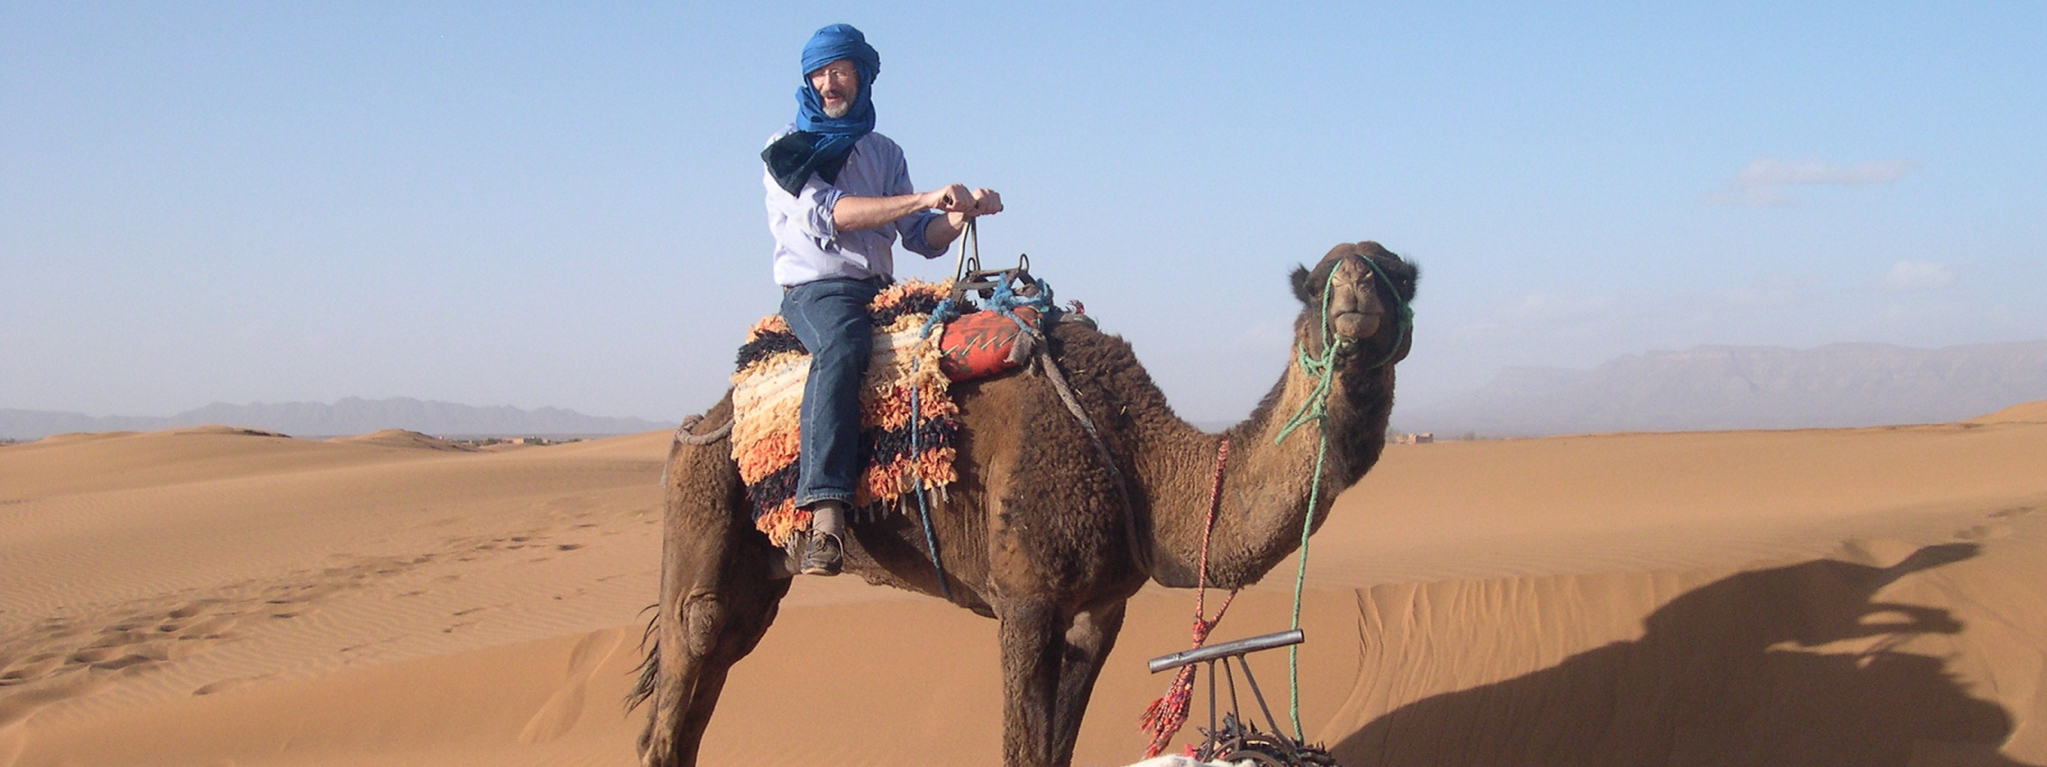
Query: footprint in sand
[[131, 660], [54, 656], [133, 639], [221, 685], [56, 628], [31, 668]]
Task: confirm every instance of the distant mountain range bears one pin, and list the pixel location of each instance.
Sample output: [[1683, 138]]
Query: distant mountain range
[[348, 416], [1745, 387], [1703, 388]]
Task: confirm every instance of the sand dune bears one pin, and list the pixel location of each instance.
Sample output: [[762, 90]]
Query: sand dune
[[405, 439], [2027, 412], [218, 596]]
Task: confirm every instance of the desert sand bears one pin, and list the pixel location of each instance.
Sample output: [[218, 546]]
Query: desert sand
[[217, 596]]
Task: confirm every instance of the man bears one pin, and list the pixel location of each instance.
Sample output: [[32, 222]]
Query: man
[[839, 195]]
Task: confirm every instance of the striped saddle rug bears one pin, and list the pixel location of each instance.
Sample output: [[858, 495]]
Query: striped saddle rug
[[767, 392]]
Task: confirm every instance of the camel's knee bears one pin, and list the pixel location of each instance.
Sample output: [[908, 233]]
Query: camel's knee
[[703, 618], [690, 655], [684, 635]]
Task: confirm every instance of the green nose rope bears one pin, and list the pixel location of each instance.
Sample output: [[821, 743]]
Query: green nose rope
[[1316, 409]]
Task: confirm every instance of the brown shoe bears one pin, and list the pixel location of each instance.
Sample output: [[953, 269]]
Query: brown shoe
[[822, 555]]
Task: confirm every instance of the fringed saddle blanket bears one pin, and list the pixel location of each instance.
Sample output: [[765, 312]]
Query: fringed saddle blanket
[[767, 393]]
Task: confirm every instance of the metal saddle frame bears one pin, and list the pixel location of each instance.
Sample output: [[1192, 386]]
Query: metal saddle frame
[[1229, 737], [969, 277]]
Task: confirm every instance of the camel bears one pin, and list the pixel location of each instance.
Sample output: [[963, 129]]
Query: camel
[[1039, 532]]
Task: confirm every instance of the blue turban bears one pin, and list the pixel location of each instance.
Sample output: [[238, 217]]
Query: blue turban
[[821, 143]]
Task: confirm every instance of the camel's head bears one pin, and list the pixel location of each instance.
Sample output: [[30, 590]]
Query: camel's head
[[1359, 293]]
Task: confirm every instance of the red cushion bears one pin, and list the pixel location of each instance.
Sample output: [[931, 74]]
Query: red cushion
[[980, 344]]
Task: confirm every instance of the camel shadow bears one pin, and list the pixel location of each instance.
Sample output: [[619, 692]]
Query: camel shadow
[[1723, 675]]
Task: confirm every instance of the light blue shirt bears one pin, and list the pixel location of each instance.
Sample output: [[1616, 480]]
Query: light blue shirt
[[808, 247]]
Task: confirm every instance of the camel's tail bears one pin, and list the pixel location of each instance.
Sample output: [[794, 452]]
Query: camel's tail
[[650, 667]]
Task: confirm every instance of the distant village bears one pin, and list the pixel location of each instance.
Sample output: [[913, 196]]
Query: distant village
[[488, 441]]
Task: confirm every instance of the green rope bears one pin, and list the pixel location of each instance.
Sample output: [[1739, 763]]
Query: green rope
[[1293, 653], [1316, 408]]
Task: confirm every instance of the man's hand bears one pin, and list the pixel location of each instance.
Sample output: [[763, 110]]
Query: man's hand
[[954, 198], [986, 203], [959, 206]]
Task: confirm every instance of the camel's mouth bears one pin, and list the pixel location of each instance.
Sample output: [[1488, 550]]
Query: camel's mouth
[[1356, 326]]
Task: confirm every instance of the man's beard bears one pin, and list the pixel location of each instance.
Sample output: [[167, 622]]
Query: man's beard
[[836, 112]]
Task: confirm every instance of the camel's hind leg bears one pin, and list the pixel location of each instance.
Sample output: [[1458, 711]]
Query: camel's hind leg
[[718, 596]]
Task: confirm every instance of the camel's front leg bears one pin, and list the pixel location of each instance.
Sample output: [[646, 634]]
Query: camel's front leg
[[1088, 643], [1032, 644]]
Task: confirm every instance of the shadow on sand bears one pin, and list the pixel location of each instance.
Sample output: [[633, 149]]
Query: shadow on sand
[[1722, 677]]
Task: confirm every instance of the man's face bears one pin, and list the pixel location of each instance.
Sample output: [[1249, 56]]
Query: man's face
[[837, 83]]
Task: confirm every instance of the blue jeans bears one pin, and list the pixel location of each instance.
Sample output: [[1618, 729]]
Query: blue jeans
[[830, 317]]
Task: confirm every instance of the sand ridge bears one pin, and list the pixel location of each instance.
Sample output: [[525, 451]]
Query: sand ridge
[[211, 596], [402, 438], [2025, 412]]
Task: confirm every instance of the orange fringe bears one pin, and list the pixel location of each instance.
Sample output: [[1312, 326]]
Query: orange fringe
[[886, 407]]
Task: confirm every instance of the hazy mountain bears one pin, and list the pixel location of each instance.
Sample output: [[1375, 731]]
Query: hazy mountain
[[348, 416], [1746, 387], [36, 424]]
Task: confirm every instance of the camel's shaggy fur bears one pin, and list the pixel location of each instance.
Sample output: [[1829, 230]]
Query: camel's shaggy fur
[[1037, 530]]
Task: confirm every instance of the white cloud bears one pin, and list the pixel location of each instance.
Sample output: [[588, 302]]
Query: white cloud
[[1907, 274], [1761, 183]]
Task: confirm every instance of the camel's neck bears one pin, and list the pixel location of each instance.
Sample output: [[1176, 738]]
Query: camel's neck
[[1267, 481]]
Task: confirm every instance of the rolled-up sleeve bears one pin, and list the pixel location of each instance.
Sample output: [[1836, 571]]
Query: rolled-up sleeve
[[809, 210], [911, 227]]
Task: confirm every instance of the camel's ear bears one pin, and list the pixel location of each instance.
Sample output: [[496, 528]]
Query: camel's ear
[[1301, 289]]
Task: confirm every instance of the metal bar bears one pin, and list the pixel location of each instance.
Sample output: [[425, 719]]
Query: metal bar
[[1257, 693], [1211, 697], [1226, 649], [1234, 706]]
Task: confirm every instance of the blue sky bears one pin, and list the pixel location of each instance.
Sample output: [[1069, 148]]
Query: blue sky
[[538, 205]]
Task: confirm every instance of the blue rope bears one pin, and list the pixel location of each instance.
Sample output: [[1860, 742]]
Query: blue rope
[[1004, 301], [940, 314], [943, 313], [917, 486]]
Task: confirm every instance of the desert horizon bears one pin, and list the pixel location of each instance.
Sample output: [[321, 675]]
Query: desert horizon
[[1707, 387], [216, 595]]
